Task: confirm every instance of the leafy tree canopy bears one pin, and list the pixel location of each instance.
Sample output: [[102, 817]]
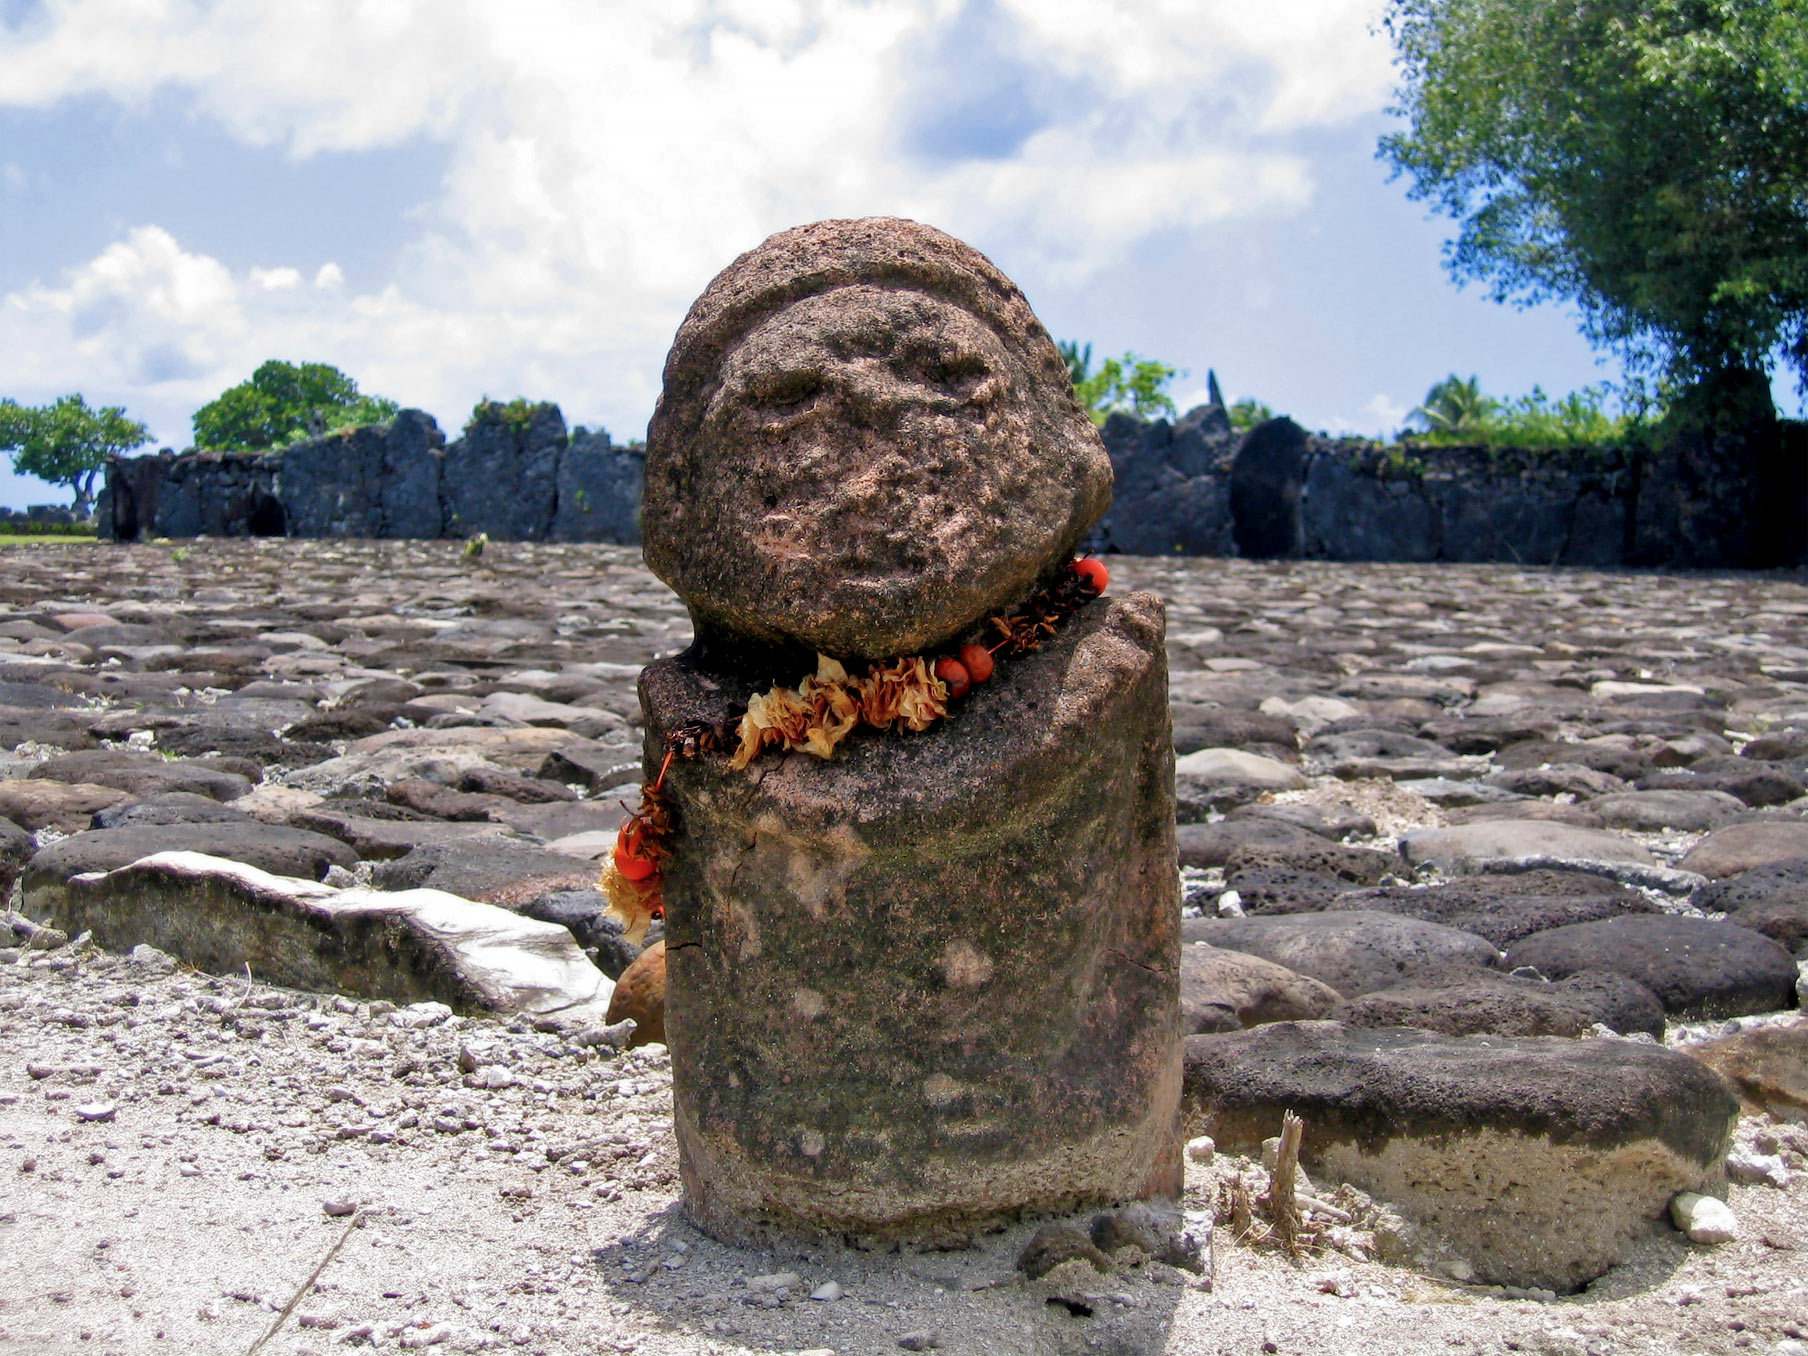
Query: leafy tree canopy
[[67, 443], [1457, 411], [1129, 384], [284, 402], [1646, 159], [518, 413], [1249, 412]]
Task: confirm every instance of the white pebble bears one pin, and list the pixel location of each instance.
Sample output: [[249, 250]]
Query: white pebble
[[1703, 1219], [780, 1280], [418, 1016], [1200, 1150], [828, 1290], [1748, 1165]]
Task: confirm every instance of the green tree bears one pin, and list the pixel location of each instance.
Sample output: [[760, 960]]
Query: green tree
[[1456, 409], [67, 443], [1645, 159], [1130, 384], [284, 402], [1249, 412]]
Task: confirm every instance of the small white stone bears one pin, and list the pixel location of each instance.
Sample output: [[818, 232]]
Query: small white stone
[[492, 1076], [1788, 1346], [1748, 1165], [96, 1111], [1230, 905], [1703, 1219], [778, 1280], [1563, 1342], [828, 1290], [1200, 1150], [418, 1016]]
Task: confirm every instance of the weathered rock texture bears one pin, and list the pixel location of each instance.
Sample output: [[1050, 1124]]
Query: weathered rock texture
[[866, 443], [407, 946], [1769, 1067], [515, 475], [1734, 500], [1541, 1160], [933, 982], [1195, 487], [1170, 485]]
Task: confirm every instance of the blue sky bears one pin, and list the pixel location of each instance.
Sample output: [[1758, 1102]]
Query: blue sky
[[451, 198]]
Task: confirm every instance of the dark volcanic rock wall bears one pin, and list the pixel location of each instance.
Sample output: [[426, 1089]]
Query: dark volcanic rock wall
[[502, 477], [369, 482], [1193, 487], [1171, 491], [599, 491], [1359, 501], [523, 479], [1276, 492]]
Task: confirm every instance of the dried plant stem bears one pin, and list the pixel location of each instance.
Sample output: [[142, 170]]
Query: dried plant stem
[[1281, 1201], [305, 1286], [1242, 1213]]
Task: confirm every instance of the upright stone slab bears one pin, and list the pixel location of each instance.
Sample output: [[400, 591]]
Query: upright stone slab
[[931, 983], [1265, 480]]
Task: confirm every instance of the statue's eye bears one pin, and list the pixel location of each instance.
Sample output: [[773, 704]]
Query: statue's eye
[[951, 369], [784, 390]]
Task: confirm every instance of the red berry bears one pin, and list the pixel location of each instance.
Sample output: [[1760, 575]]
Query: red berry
[[977, 660], [1093, 572], [628, 859], [953, 673]]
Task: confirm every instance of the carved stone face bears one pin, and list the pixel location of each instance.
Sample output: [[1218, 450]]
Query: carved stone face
[[873, 468]]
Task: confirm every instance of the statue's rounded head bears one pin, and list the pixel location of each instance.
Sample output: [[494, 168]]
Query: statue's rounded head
[[866, 443]]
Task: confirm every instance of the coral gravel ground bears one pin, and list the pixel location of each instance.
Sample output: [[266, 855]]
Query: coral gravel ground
[[180, 1152]]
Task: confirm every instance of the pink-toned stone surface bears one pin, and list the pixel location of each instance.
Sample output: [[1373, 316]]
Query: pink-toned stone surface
[[866, 444]]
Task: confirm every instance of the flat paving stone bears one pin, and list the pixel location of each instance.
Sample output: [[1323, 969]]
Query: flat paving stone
[[1503, 909], [1354, 952], [143, 774], [1476, 846], [1544, 1161], [268, 847], [1466, 1001], [1740, 847], [1697, 967], [1223, 990], [36, 803]]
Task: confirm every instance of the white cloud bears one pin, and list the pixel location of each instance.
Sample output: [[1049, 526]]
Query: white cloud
[[1387, 412], [276, 279], [1381, 416], [605, 159]]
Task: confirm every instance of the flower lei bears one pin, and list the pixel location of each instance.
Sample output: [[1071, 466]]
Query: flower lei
[[815, 716]]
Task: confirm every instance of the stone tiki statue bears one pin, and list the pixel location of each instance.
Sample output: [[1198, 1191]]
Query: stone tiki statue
[[929, 984]]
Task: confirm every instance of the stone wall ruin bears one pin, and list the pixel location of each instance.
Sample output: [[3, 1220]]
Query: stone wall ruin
[[525, 479], [1192, 487]]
